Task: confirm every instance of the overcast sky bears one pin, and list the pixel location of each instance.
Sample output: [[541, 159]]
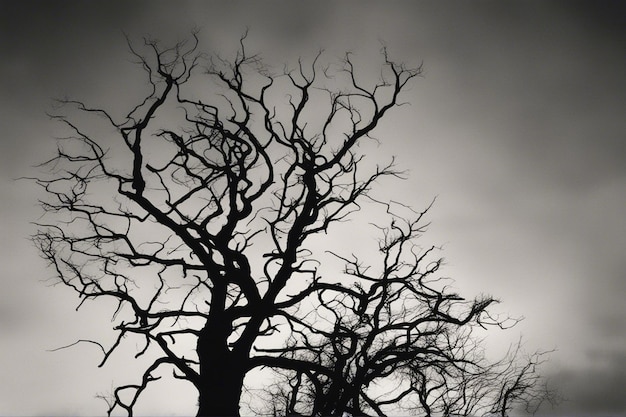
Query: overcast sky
[[518, 127]]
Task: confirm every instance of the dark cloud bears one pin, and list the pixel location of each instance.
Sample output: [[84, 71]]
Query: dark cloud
[[595, 387], [551, 78], [607, 17]]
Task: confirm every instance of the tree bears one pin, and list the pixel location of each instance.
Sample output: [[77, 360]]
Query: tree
[[395, 330], [195, 213]]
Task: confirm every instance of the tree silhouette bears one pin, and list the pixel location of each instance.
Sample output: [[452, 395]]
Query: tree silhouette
[[398, 328], [195, 212]]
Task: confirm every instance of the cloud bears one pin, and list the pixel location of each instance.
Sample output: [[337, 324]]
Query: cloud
[[596, 388]]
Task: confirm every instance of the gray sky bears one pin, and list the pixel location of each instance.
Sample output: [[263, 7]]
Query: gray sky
[[518, 126]]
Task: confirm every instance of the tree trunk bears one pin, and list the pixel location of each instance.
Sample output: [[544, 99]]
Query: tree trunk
[[220, 390], [221, 373]]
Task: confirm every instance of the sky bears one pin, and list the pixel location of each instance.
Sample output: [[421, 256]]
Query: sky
[[517, 127]]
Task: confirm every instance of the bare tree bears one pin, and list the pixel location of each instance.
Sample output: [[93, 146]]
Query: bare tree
[[194, 212], [398, 338]]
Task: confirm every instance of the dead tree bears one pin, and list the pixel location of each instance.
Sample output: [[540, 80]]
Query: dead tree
[[194, 213], [398, 339]]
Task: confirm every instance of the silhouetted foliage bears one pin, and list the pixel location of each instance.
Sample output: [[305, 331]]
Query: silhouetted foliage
[[195, 213]]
